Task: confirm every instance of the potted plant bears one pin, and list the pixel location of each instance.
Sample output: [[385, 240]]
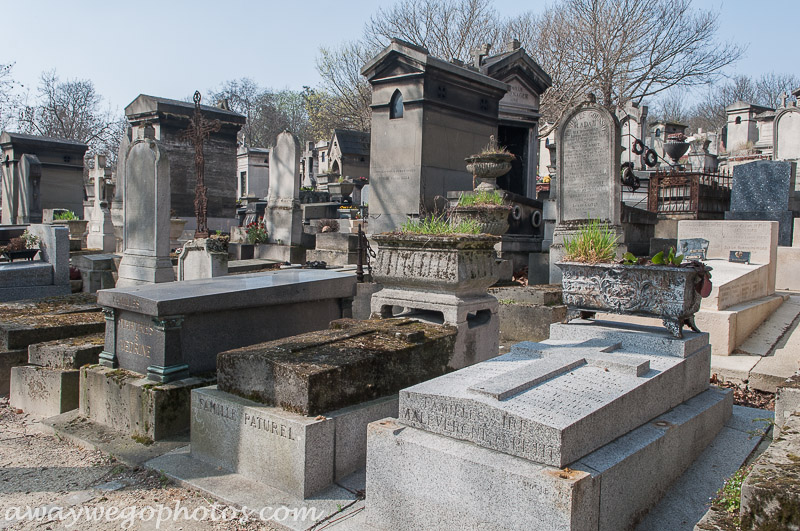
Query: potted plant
[[492, 162], [663, 286], [435, 255], [486, 208], [24, 247], [257, 232], [77, 227]]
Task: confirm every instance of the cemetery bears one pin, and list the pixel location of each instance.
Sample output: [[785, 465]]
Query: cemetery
[[465, 311]]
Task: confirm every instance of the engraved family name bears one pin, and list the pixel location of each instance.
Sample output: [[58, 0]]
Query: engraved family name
[[132, 338], [214, 408], [268, 425]]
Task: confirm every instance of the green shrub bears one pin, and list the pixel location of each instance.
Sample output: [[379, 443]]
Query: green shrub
[[481, 197], [595, 242], [68, 215], [438, 225]]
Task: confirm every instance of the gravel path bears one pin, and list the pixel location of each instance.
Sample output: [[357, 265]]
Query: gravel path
[[86, 490]]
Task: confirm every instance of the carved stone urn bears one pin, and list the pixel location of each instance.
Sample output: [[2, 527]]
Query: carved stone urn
[[669, 293], [487, 167], [461, 264]]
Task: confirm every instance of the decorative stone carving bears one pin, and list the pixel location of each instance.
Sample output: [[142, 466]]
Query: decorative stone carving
[[653, 291], [462, 265]]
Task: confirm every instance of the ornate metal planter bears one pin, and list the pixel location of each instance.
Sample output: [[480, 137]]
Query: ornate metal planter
[[24, 254], [652, 291], [487, 168], [492, 219], [461, 264]]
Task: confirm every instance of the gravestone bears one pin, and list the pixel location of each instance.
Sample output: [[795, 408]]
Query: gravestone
[[764, 190], [101, 228], [587, 185], [583, 431], [146, 207], [283, 215], [119, 179]]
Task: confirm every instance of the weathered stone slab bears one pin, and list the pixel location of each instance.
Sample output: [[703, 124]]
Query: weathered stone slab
[[8, 360], [44, 391], [168, 331], [420, 480], [131, 404], [771, 492], [556, 401], [353, 362], [71, 353]]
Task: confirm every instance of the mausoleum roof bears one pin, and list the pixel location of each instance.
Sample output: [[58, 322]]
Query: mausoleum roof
[[352, 142], [42, 142], [144, 104]]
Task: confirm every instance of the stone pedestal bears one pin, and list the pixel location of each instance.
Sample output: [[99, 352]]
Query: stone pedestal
[[101, 230], [335, 248], [203, 258], [474, 317]]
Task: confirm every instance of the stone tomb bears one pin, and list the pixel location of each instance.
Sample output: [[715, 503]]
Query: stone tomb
[[48, 385], [743, 295], [173, 332], [45, 276], [293, 413], [583, 431]]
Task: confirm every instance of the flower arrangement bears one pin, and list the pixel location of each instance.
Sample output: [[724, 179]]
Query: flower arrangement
[[31, 240], [257, 232]]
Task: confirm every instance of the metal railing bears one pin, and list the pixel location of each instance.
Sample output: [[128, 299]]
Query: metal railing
[[701, 195]]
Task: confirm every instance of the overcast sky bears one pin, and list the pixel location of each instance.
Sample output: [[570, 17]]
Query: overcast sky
[[170, 48]]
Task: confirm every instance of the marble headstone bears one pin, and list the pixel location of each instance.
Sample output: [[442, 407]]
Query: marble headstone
[[146, 208], [101, 228], [763, 191], [588, 182], [283, 215]]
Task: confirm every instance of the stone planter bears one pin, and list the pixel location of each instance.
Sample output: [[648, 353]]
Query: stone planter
[[652, 291], [342, 190], [462, 265], [176, 230], [493, 219], [77, 227], [487, 168]]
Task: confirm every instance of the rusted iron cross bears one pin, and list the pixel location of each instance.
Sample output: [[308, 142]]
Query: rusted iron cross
[[200, 129]]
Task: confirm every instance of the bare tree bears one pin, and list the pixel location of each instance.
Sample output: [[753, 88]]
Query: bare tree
[[348, 94], [449, 29], [770, 87], [8, 99], [71, 110], [672, 106], [623, 50]]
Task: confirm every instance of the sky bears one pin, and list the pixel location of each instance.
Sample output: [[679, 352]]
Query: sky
[[171, 48]]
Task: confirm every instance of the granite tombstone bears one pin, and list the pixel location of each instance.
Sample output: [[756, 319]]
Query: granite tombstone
[[764, 190]]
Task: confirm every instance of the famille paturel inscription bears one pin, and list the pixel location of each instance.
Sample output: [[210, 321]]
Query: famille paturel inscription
[[248, 419], [585, 166]]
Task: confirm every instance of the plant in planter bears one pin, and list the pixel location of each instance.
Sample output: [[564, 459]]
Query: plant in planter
[[76, 226], [663, 287], [257, 232], [492, 162], [67, 215], [486, 208], [23, 247], [435, 255]]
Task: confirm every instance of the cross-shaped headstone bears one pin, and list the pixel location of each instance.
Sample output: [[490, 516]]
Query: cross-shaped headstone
[[784, 97], [594, 352], [98, 175], [479, 53], [199, 129]]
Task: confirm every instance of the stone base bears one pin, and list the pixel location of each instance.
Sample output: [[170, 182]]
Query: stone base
[[43, 391], [332, 257], [294, 254], [787, 275], [418, 480], [135, 270], [293, 453], [475, 318], [520, 321], [130, 403], [516, 248], [33, 292], [731, 327], [8, 360]]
